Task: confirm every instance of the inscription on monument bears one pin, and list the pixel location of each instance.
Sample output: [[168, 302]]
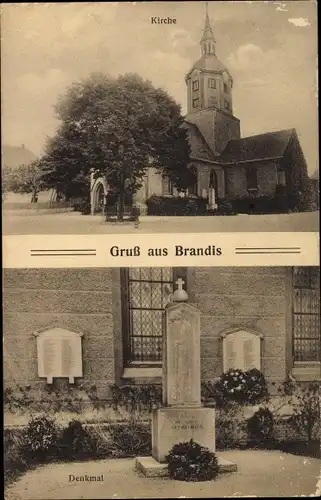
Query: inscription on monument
[[242, 350], [59, 354], [182, 359]]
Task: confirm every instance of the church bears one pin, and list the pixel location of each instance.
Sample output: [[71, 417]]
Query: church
[[254, 173], [103, 326]]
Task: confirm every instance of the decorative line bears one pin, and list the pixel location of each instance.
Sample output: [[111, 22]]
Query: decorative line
[[267, 250], [60, 254], [63, 252]]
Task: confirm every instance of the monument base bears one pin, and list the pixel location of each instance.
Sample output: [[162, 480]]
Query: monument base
[[151, 468], [171, 426]]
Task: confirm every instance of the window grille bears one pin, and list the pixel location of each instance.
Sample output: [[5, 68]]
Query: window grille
[[145, 293], [306, 314]]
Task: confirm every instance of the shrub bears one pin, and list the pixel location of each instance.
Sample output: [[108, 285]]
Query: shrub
[[256, 388], [41, 436], [230, 427], [14, 461], [82, 206], [261, 425], [225, 207], [176, 206], [258, 205], [76, 442], [130, 439], [306, 408], [133, 398], [190, 461], [237, 386]]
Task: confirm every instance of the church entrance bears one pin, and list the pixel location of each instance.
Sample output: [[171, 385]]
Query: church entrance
[[99, 199]]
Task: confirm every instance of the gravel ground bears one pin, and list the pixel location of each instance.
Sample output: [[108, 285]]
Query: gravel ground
[[260, 473], [32, 222]]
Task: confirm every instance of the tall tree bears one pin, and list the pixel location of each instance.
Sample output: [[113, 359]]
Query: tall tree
[[116, 127]]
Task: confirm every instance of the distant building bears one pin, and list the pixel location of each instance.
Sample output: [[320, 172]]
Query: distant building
[[16, 156], [255, 173]]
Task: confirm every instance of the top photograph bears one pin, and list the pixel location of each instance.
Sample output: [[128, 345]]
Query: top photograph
[[159, 117]]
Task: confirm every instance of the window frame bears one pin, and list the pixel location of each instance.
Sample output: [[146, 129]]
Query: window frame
[[194, 101], [209, 83], [128, 363], [195, 85], [301, 314]]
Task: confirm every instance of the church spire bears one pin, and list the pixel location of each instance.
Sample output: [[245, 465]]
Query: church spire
[[208, 41]]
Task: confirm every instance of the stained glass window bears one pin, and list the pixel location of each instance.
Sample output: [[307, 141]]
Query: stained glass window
[[306, 314], [146, 292]]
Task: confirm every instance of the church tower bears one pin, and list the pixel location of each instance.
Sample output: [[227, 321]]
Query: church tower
[[209, 93]]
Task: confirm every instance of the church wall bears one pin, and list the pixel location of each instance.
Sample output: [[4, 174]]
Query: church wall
[[80, 300], [236, 180], [155, 186], [212, 96], [226, 128], [254, 298], [204, 178], [89, 301]]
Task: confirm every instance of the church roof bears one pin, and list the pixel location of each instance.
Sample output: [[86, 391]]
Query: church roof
[[209, 62], [256, 147], [15, 156], [198, 144]]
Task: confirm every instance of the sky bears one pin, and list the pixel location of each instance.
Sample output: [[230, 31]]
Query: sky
[[270, 48]]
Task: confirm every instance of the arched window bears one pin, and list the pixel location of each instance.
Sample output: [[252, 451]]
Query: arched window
[[213, 180], [193, 188]]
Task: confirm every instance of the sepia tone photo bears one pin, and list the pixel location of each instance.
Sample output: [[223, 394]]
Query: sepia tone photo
[[157, 343], [159, 117], [141, 382]]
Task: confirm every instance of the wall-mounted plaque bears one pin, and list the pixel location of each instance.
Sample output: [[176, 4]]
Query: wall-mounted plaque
[[59, 354], [242, 350]]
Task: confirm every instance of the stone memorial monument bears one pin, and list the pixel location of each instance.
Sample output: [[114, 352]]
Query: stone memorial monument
[[182, 416], [241, 349], [59, 354]]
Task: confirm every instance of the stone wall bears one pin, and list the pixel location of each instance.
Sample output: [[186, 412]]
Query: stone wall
[[236, 180], [77, 299], [89, 301], [226, 128], [253, 298]]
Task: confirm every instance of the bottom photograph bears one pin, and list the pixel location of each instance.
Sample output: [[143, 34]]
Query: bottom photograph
[[161, 382]]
